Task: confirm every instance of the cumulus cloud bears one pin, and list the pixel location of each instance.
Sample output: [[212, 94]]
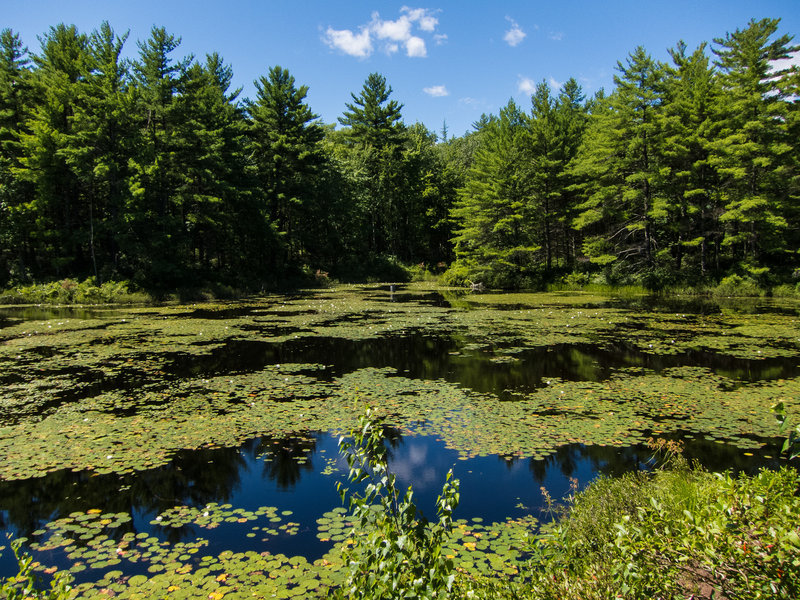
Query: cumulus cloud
[[440, 38], [397, 31], [423, 17], [514, 35], [344, 40], [526, 85], [555, 85], [391, 34], [437, 91], [415, 47]]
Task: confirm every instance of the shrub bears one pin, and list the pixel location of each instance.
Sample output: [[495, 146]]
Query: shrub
[[675, 533], [69, 291], [397, 553], [735, 285]]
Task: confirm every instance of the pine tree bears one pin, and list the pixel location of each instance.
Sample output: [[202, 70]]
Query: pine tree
[[373, 119], [495, 219], [375, 136], [101, 147], [62, 233], [571, 119], [543, 168], [15, 105], [619, 166], [688, 211], [208, 143], [752, 152], [156, 239], [285, 149]]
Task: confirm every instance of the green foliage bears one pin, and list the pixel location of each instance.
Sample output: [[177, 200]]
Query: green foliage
[[735, 285], [792, 444], [285, 148], [674, 533], [68, 291], [26, 585], [396, 553], [151, 170]]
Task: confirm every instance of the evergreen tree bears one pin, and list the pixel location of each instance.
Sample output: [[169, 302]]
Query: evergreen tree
[[543, 168], [285, 149], [375, 136], [373, 119], [495, 219], [101, 147], [752, 151], [208, 142], [62, 232], [688, 211], [155, 239], [619, 167], [571, 118], [15, 105]]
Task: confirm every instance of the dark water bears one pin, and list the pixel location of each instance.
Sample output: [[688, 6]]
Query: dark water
[[419, 355], [291, 476]]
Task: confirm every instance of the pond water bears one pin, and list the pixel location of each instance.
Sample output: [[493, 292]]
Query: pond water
[[138, 440]]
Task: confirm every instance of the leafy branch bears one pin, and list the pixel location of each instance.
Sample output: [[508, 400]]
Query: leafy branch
[[394, 552]]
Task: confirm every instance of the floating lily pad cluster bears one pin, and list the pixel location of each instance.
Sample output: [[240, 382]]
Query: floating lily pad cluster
[[137, 565], [121, 392]]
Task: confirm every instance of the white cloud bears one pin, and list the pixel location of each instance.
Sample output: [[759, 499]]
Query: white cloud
[[526, 85], [437, 91], [556, 35], [555, 85], [423, 17], [440, 38], [390, 33], [515, 35], [358, 45], [397, 31], [415, 47]]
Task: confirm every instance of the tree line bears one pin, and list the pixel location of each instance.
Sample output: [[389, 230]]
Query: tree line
[[154, 170]]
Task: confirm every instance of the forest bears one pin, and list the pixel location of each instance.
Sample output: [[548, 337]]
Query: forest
[[153, 170]]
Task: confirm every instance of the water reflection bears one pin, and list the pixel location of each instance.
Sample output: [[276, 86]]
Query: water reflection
[[301, 470], [417, 355]]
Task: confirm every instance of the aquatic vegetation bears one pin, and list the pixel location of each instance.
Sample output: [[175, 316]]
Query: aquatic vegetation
[[120, 393]]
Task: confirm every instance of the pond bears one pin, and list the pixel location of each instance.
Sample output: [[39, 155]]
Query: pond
[[195, 447]]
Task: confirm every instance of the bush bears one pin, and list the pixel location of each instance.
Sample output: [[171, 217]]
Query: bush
[[371, 269], [786, 291], [675, 533], [735, 285], [69, 291], [397, 553]]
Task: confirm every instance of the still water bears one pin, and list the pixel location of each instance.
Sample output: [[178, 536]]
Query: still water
[[102, 354]]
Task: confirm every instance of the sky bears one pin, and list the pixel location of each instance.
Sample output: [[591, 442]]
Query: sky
[[447, 61]]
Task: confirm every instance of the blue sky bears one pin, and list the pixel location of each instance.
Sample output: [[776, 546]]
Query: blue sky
[[446, 61]]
